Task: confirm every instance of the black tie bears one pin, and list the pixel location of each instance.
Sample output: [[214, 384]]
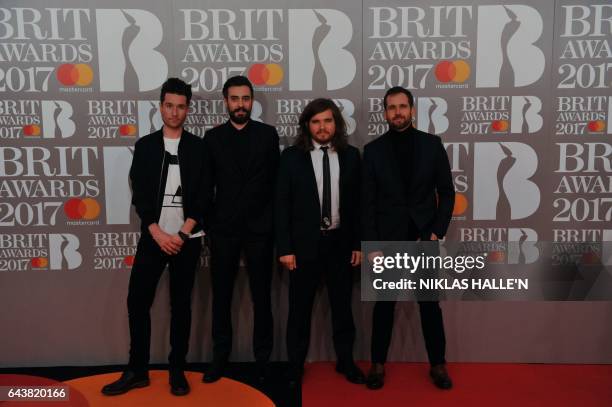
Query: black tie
[[326, 204]]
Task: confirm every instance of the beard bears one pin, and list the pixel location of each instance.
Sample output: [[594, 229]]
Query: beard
[[240, 119], [400, 125], [322, 137]]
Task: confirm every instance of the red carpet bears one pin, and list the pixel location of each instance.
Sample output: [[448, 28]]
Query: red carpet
[[475, 384]]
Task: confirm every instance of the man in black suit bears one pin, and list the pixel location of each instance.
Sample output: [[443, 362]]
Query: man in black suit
[[240, 165], [407, 195], [317, 231]]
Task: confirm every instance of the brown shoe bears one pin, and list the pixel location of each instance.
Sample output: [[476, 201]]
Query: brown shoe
[[440, 377]]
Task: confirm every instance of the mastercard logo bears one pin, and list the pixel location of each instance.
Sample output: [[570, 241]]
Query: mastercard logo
[[127, 130], [590, 258], [265, 74], [496, 256], [461, 204], [31, 130], [499, 125], [74, 74], [129, 261], [452, 71], [86, 208], [39, 262], [597, 126]]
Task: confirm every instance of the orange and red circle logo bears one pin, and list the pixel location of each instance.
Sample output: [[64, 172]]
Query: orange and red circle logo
[[31, 130], [127, 130], [597, 126], [461, 204], [86, 209], [496, 256], [74, 74], [265, 74], [39, 262], [590, 258], [129, 261], [455, 71], [499, 125]]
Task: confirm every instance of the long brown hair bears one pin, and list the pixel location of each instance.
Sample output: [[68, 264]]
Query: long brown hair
[[304, 138]]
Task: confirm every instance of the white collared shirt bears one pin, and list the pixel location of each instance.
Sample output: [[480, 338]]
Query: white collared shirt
[[316, 156]]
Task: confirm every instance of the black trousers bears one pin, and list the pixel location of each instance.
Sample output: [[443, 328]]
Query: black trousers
[[431, 323], [225, 262], [149, 265], [333, 264]]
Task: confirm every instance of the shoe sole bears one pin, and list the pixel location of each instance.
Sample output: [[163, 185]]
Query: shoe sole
[[207, 380], [136, 385], [179, 393]]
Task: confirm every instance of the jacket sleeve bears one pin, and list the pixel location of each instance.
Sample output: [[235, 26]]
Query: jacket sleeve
[[207, 183], [282, 213], [445, 190], [356, 221], [139, 178], [368, 198], [276, 147]]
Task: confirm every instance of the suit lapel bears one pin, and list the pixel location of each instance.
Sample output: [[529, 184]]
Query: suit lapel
[[342, 182], [310, 176], [414, 160]]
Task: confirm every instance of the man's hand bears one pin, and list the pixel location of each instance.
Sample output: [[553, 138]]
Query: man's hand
[[167, 243], [176, 239], [355, 258], [432, 238], [288, 261], [373, 255]]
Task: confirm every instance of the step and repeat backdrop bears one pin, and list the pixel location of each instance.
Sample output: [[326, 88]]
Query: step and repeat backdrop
[[520, 93]]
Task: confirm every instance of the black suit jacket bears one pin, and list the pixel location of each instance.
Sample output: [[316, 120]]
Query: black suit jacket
[[387, 205], [238, 200], [298, 210]]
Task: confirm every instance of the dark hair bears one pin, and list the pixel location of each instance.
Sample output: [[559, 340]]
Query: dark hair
[[237, 81], [177, 87], [394, 91], [304, 138]]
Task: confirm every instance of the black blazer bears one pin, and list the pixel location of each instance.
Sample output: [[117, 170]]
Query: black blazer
[[148, 177], [386, 205], [238, 201], [298, 211]]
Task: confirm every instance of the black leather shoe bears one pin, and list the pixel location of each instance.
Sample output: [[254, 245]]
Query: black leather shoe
[[440, 377], [214, 372], [178, 383], [129, 380], [376, 377], [352, 373]]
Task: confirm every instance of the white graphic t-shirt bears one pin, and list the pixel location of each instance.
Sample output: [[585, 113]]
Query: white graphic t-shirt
[[172, 218]]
